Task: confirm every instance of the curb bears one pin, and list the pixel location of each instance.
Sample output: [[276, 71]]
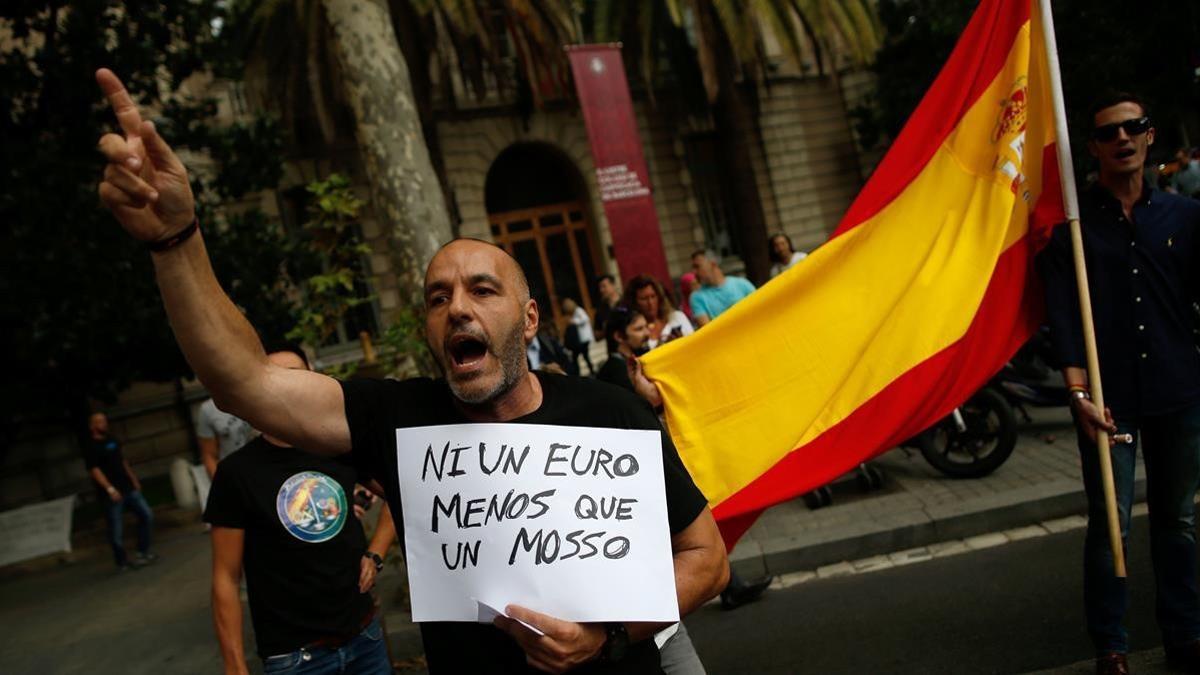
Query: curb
[[1015, 509]]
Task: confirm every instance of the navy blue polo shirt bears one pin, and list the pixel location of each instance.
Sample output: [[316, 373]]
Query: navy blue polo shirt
[[1143, 280]]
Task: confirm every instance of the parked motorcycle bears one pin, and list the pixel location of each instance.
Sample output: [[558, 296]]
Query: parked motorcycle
[[979, 436]]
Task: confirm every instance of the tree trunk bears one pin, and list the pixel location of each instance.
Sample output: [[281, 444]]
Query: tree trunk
[[405, 188], [734, 120], [417, 43]]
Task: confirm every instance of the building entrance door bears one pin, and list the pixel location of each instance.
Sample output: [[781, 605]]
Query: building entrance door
[[551, 243]]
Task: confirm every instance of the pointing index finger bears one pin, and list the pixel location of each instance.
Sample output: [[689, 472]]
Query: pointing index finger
[[122, 104]]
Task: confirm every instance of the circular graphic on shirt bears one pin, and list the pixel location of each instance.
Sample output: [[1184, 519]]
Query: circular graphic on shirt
[[311, 506]]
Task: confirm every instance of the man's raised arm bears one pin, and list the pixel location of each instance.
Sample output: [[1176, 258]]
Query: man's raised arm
[[146, 188]]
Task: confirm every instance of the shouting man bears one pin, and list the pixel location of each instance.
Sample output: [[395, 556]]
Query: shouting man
[[478, 319], [285, 516]]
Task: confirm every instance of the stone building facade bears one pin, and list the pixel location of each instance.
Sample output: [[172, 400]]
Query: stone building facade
[[529, 182]]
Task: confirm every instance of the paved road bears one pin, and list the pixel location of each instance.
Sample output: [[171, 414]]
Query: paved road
[[1010, 609], [86, 618]]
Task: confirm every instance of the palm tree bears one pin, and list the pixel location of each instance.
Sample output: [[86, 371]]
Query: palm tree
[[713, 45], [478, 34], [350, 55]]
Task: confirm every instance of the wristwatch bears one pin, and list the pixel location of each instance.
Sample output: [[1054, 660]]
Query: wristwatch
[[616, 644], [375, 559], [1080, 395]]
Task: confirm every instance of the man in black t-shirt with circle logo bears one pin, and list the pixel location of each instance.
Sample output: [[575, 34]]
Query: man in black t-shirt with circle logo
[[286, 517], [478, 318]]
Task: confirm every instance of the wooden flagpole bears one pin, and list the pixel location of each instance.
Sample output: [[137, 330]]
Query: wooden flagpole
[[1071, 206]]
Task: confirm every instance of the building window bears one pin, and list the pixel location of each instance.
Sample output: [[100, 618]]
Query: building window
[[711, 194]]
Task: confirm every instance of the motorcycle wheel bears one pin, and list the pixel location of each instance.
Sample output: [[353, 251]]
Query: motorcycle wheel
[[819, 498], [987, 442], [869, 478]]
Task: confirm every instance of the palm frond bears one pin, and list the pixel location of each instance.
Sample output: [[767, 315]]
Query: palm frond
[[739, 28], [314, 23], [705, 57], [646, 19], [675, 11], [810, 32], [778, 18]]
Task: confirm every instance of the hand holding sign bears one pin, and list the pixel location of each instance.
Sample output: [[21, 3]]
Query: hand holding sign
[[145, 185], [561, 646]]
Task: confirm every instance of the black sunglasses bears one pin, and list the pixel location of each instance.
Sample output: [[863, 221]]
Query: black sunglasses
[[1133, 127]]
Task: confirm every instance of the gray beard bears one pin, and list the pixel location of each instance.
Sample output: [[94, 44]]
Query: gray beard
[[512, 368]]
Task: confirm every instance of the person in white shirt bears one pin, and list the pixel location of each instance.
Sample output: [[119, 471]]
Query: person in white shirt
[[219, 435], [646, 295], [783, 254], [579, 336]]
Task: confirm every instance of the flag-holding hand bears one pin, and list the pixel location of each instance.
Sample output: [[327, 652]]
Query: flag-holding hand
[[145, 185]]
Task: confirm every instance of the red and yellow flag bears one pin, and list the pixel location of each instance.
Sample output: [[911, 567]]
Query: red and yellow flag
[[922, 293]]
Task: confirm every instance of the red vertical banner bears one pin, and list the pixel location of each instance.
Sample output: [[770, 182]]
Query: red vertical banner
[[621, 173]]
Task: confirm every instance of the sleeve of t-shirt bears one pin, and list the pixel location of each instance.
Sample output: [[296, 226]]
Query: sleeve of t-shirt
[[204, 426], [680, 319], [91, 457], [698, 306], [226, 506], [684, 499], [747, 286], [371, 429]]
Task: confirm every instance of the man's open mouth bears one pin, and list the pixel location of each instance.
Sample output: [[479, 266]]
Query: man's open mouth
[[466, 350], [1126, 153]]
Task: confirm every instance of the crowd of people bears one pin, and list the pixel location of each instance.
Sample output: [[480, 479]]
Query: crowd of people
[[285, 446]]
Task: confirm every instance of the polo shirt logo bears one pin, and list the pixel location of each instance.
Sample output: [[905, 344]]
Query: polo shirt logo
[[311, 507]]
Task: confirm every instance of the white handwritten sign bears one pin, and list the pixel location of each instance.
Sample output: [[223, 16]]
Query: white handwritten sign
[[567, 521], [36, 530]]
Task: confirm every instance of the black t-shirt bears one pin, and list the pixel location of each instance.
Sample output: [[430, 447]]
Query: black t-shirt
[[614, 371], [106, 455], [376, 408], [303, 546]]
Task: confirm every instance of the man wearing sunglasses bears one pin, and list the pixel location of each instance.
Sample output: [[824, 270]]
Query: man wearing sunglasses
[[1141, 251]]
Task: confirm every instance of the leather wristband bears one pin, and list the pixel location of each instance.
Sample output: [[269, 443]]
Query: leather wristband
[[375, 559], [175, 239]]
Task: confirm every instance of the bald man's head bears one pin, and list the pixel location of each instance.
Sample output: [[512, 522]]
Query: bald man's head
[[478, 319], [520, 278]]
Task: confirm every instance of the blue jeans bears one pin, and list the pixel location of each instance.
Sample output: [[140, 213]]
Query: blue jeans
[[115, 512], [366, 654], [1171, 453]]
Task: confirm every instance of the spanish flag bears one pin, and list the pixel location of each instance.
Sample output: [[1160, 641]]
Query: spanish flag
[[923, 292]]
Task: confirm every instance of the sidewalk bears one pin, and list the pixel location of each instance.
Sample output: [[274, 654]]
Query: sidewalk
[[919, 506]]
